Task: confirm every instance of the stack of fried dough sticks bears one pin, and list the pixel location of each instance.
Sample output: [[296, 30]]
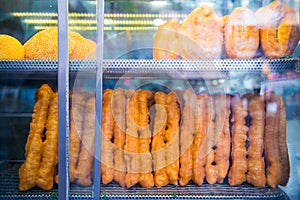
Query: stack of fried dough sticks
[[157, 138]]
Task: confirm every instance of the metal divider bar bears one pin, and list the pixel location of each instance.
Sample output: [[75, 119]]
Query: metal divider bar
[[97, 157], [63, 99]]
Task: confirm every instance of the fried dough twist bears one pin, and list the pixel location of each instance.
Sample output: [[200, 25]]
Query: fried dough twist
[[146, 176], [172, 138], [86, 155], [186, 137], [107, 149], [45, 177], [158, 142], [29, 169], [199, 152], [256, 164], [238, 169], [119, 114]]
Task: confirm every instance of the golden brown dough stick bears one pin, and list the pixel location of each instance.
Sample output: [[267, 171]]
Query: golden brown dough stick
[[131, 147], [45, 177], [158, 142], [172, 138], [199, 154], [210, 142], [256, 164], [275, 144], [107, 156], [29, 169], [86, 155], [238, 169], [187, 132], [76, 122], [222, 151], [282, 143], [146, 176], [119, 114]]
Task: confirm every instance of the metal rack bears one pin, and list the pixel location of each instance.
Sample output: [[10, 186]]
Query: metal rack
[[9, 190]]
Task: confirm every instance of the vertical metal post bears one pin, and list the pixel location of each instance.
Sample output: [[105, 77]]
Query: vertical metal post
[[99, 82], [63, 99]]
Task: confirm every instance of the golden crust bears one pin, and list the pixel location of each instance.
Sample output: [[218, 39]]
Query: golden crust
[[107, 149], [187, 132], [196, 39], [131, 147], [241, 34], [44, 45], [158, 141], [86, 155], [172, 138], [28, 171], [46, 173], [238, 169], [279, 33], [119, 114], [146, 178], [165, 44]]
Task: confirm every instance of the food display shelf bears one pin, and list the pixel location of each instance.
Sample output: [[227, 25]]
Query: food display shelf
[[151, 69], [9, 190]]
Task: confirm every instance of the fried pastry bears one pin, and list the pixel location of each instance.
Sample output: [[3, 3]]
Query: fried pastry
[[158, 145], [119, 114], [45, 177], [172, 138], [76, 124], [131, 147], [279, 32], [165, 44], [222, 148], [86, 155], [187, 132], [276, 153], [29, 169], [146, 177], [197, 40], [199, 152], [107, 149], [238, 169], [210, 142], [256, 164]]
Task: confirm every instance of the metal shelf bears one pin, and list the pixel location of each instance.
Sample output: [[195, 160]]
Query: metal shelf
[[9, 190], [152, 69]]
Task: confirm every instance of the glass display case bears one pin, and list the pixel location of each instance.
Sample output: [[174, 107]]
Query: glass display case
[[78, 65]]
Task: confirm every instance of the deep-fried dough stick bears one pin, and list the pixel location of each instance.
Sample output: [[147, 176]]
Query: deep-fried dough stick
[[222, 151], [49, 160], [131, 147], [119, 114], [158, 142], [145, 101], [107, 156], [187, 136], [237, 173], [256, 164], [199, 154], [282, 143], [210, 142], [29, 169], [275, 141], [86, 155], [172, 138], [76, 123]]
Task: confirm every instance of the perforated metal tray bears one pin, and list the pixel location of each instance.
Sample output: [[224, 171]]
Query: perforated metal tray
[[155, 68], [9, 190]]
